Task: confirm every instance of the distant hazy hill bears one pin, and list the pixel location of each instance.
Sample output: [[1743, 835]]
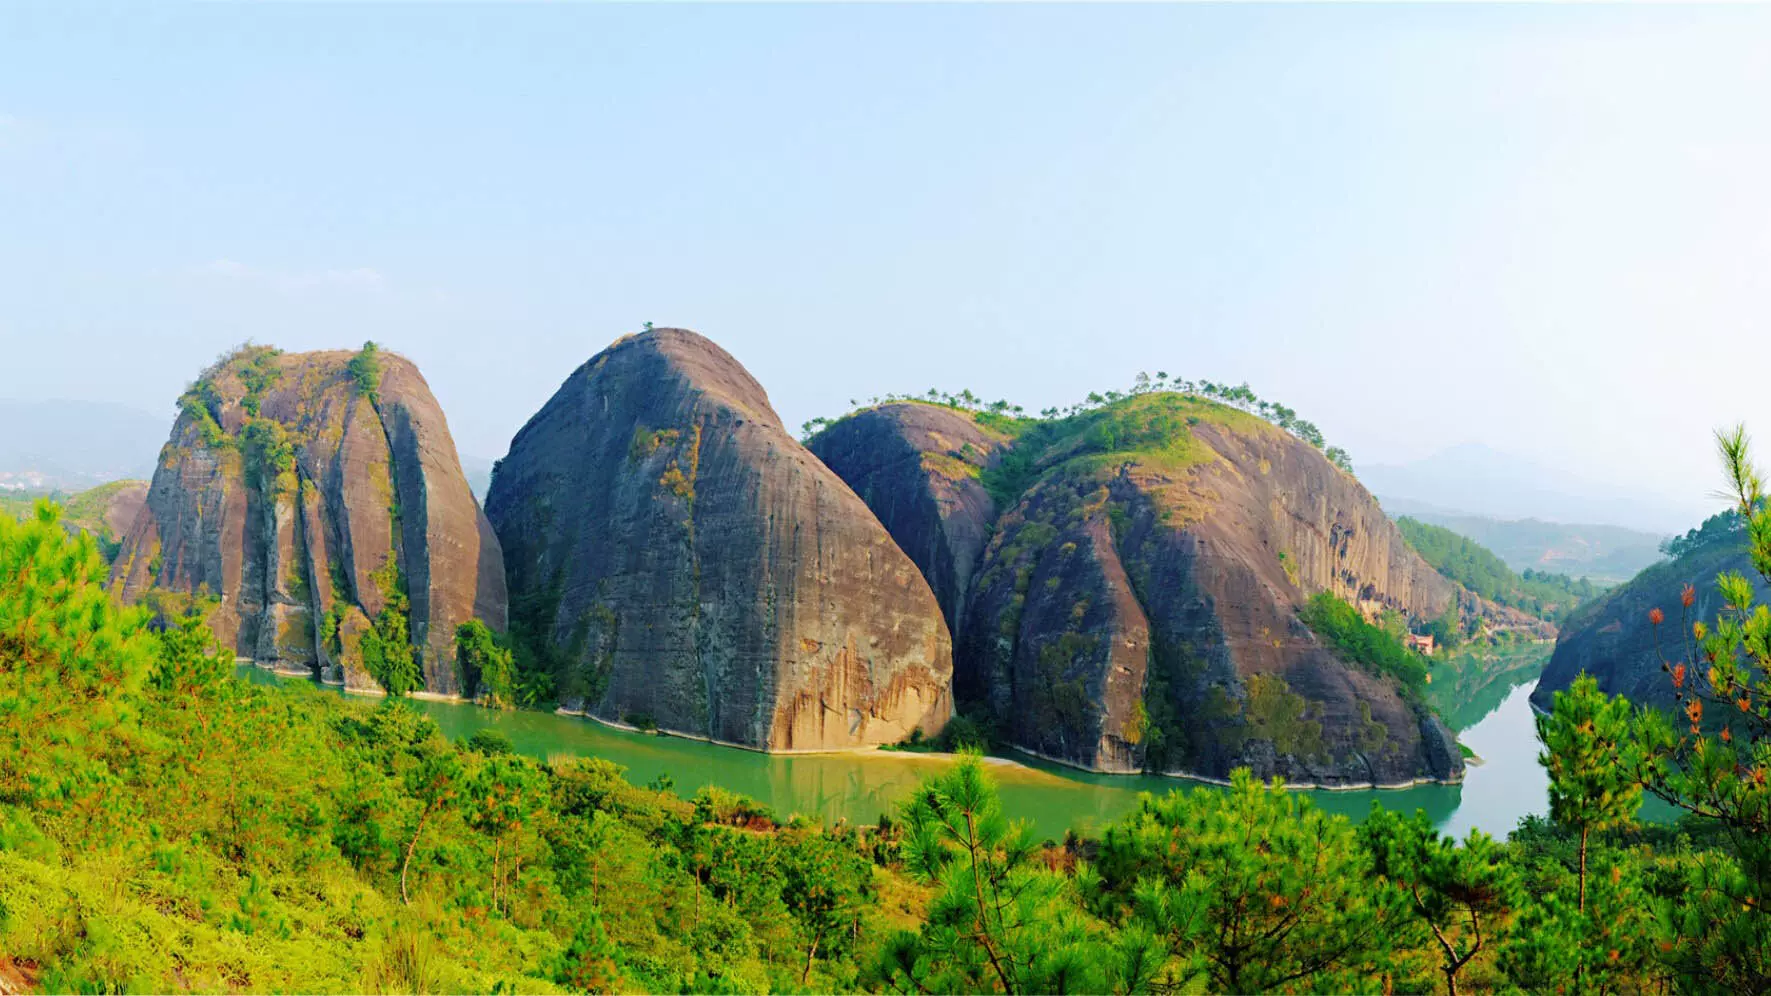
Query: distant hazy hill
[[1478, 481], [73, 445], [1602, 553]]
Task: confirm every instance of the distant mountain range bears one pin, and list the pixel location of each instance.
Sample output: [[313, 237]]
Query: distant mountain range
[[1475, 480], [74, 445], [1600, 553]]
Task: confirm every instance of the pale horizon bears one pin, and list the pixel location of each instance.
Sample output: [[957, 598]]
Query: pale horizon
[[1537, 229]]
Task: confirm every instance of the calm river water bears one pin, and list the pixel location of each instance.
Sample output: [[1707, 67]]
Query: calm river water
[[1497, 725]]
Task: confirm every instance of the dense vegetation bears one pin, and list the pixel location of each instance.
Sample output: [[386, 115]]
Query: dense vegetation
[[1605, 554], [1363, 644], [164, 826], [1545, 595], [85, 511], [1726, 528], [1011, 419]]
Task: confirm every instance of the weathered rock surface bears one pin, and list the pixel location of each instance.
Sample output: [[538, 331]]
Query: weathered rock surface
[[304, 504], [1612, 639], [917, 467], [1137, 607], [685, 562]]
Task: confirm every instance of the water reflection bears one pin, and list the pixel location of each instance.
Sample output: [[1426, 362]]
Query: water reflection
[[860, 787]]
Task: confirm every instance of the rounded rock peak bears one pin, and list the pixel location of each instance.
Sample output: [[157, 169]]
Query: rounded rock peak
[[695, 359]]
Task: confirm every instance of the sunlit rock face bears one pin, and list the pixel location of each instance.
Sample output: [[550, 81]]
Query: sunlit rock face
[[683, 561], [301, 503], [1130, 598]]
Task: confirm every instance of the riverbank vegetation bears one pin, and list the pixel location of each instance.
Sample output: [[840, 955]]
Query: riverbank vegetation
[[166, 827]]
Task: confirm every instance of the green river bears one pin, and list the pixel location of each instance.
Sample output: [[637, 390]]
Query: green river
[[1495, 720]]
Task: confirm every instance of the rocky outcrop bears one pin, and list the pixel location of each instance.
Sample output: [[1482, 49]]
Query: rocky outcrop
[[313, 497], [918, 467], [678, 559], [1137, 605], [1613, 640]]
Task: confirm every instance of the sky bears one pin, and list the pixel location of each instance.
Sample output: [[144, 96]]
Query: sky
[[1543, 229]]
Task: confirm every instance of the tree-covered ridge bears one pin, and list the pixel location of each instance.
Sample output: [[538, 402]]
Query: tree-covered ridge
[[1011, 419], [1545, 595], [164, 826], [1724, 529]]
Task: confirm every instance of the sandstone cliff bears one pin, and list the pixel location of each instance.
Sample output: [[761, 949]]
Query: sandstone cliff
[[317, 498], [918, 467], [1137, 605], [676, 557]]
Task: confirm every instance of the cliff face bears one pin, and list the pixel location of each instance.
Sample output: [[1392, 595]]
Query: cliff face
[[1613, 640], [917, 467], [315, 504], [680, 559], [1137, 605]]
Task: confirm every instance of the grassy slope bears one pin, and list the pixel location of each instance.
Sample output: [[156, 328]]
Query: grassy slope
[[165, 827]]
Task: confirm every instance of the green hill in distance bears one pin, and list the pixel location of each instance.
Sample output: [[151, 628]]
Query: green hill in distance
[[1603, 553], [1542, 594]]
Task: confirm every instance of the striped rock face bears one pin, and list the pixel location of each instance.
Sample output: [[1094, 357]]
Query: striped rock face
[[304, 504], [684, 561]]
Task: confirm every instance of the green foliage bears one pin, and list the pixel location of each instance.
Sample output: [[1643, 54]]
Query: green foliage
[[365, 369], [1465, 896], [1363, 644], [963, 732], [1545, 595], [258, 371], [1254, 889], [1147, 422], [202, 403], [487, 668], [71, 666], [1000, 921], [270, 456], [166, 827], [490, 742], [1726, 528], [386, 650]]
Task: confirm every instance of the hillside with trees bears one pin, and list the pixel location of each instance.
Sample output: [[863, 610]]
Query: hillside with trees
[[1548, 596], [1605, 554]]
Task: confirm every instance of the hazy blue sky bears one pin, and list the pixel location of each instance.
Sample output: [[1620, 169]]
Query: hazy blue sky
[[1547, 229]]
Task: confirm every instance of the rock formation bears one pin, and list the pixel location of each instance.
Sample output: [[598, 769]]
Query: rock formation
[[677, 558], [317, 498], [917, 467], [1612, 638], [1138, 603]]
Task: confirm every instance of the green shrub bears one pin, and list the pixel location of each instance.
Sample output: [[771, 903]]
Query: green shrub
[[1359, 642]]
